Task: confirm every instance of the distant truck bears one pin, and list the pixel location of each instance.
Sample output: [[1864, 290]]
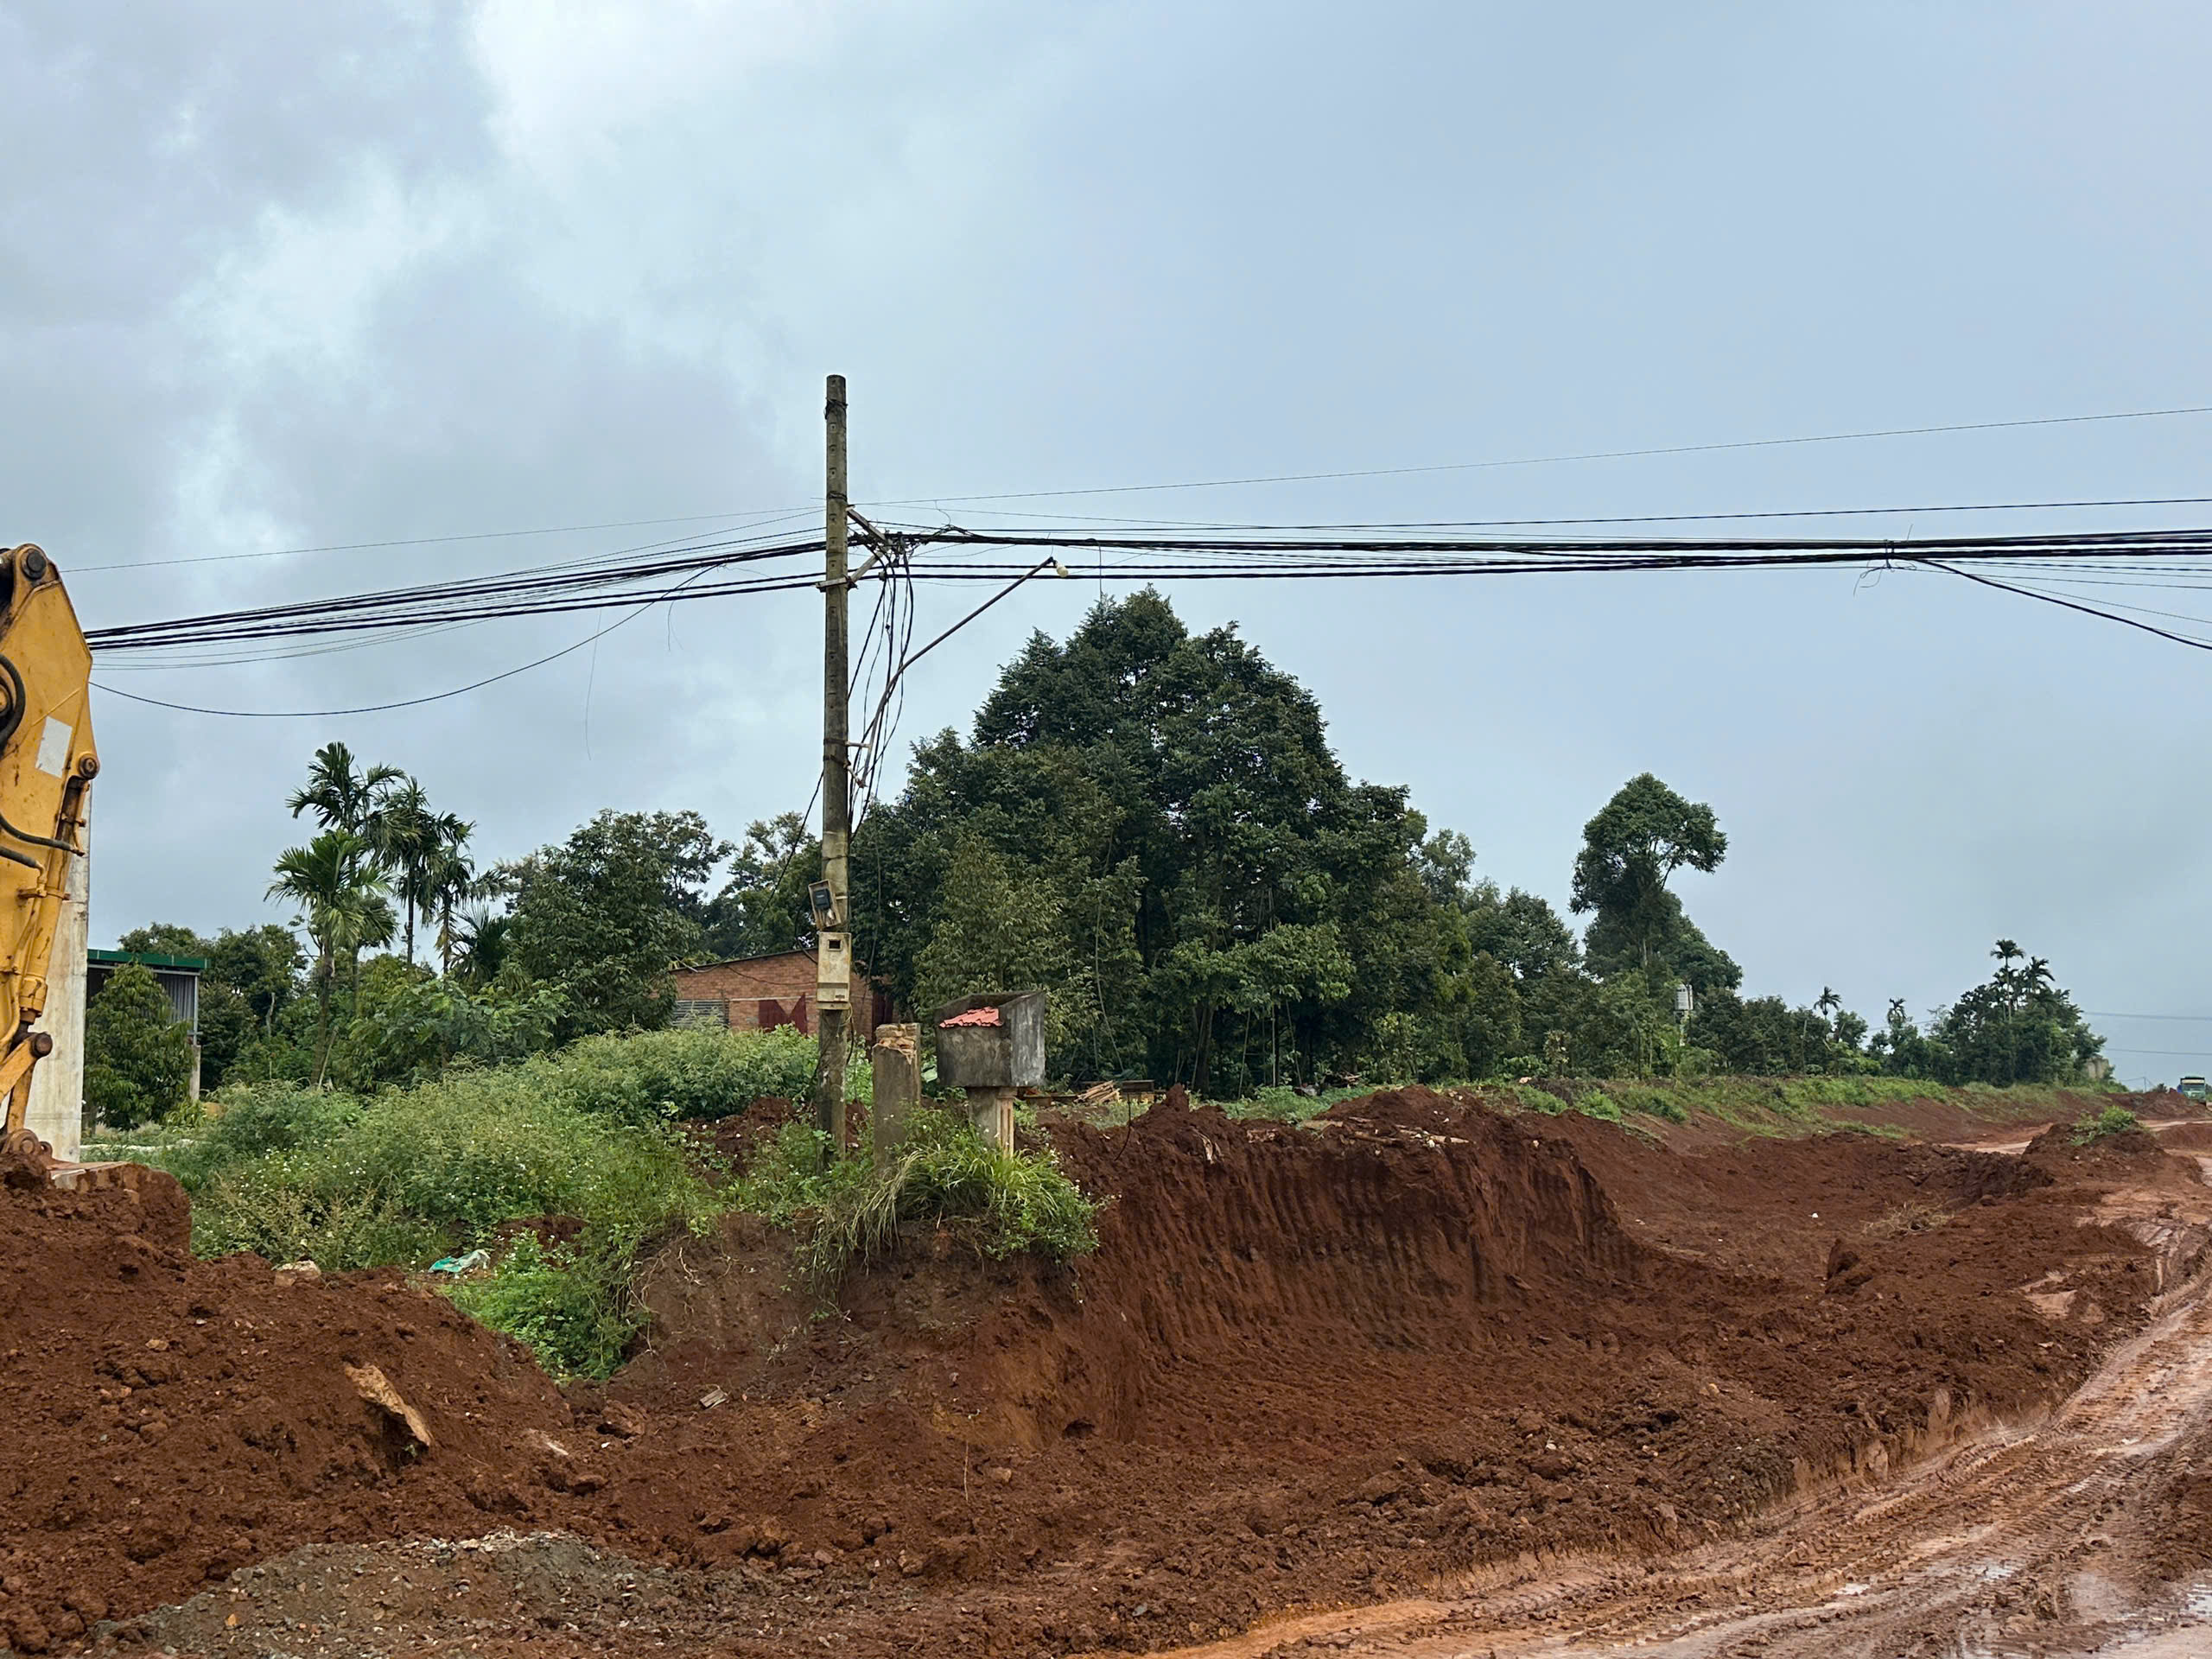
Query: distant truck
[[2193, 1087]]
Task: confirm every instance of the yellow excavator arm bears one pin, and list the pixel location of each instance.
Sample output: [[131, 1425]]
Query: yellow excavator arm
[[47, 762]]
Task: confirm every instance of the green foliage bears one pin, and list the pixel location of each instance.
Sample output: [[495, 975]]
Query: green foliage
[[1281, 1105], [762, 907], [999, 930], [658, 1075], [1637, 841], [574, 1310], [446, 1164], [2099, 1126], [250, 1121], [252, 977], [412, 1175], [601, 917], [407, 1026], [341, 895], [1155, 806], [137, 1055], [2018, 1027], [1011, 1203], [1763, 1036]]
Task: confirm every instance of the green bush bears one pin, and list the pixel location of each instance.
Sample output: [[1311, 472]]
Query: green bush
[[1019, 1203], [575, 1312], [252, 1121], [411, 1175], [2098, 1126], [1013, 1203], [137, 1056], [1286, 1105], [657, 1075]]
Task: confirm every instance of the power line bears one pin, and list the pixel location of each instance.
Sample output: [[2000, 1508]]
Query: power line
[[383, 707], [757, 514], [428, 541]]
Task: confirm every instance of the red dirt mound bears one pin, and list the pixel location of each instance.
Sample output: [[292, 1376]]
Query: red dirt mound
[[1305, 1365], [1774, 1207], [1310, 1365], [168, 1420]]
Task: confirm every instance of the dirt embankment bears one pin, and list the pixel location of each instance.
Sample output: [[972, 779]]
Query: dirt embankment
[[1305, 1366], [168, 1420]]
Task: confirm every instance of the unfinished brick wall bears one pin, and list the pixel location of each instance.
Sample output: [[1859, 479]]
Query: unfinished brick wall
[[761, 993]]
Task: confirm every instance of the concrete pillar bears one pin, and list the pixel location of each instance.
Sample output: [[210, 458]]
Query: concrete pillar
[[896, 1061], [992, 1111], [56, 1114]]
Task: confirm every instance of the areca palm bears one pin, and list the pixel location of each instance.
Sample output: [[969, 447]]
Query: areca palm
[[404, 833], [341, 895], [340, 797], [448, 879]]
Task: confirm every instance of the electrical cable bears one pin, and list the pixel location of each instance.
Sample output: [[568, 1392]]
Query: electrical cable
[[759, 514], [382, 708]]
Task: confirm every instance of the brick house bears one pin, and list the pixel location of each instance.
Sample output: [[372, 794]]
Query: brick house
[[761, 993]]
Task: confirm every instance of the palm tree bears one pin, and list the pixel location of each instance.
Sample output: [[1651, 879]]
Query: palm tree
[[339, 797], [481, 941], [334, 881], [1828, 1002], [448, 879], [404, 833]]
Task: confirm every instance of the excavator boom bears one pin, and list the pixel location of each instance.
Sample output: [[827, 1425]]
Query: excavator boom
[[47, 761]]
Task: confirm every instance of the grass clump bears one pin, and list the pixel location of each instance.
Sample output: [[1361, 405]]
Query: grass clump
[[1286, 1105], [1007, 1203], [2101, 1126], [572, 1308]]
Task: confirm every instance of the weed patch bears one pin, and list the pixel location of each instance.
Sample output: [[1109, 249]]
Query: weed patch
[[2100, 1126], [1010, 1203]]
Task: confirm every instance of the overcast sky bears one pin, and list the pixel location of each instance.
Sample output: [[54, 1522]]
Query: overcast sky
[[277, 276]]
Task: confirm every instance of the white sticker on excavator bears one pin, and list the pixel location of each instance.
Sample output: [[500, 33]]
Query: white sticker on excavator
[[54, 748]]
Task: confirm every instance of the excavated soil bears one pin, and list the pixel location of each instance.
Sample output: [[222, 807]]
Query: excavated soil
[[1306, 1367], [168, 1420]]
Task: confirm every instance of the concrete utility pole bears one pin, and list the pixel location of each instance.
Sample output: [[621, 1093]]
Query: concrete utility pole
[[833, 983]]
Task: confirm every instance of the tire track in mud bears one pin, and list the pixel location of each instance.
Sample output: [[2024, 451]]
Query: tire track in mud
[[2004, 1545]]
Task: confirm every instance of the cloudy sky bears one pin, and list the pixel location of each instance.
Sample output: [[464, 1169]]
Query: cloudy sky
[[277, 277]]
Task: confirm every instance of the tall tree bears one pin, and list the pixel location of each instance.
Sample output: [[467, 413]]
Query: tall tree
[[340, 892], [1629, 851], [603, 916], [403, 833], [137, 1053], [448, 879], [762, 907], [1175, 796], [2019, 1027], [339, 792]]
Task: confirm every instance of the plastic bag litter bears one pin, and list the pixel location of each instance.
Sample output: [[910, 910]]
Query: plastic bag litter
[[468, 1264]]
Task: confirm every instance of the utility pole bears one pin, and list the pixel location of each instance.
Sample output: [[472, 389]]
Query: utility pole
[[833, 981]]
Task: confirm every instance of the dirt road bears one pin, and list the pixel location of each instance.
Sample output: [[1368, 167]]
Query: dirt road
[[2029, 1541]]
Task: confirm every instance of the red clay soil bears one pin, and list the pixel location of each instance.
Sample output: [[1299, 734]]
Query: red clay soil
[[1314, 1366], [169, 1420], [1305, 1365]]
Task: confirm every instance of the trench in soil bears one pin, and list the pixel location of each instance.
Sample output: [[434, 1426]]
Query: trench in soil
[[1306, 1367]]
